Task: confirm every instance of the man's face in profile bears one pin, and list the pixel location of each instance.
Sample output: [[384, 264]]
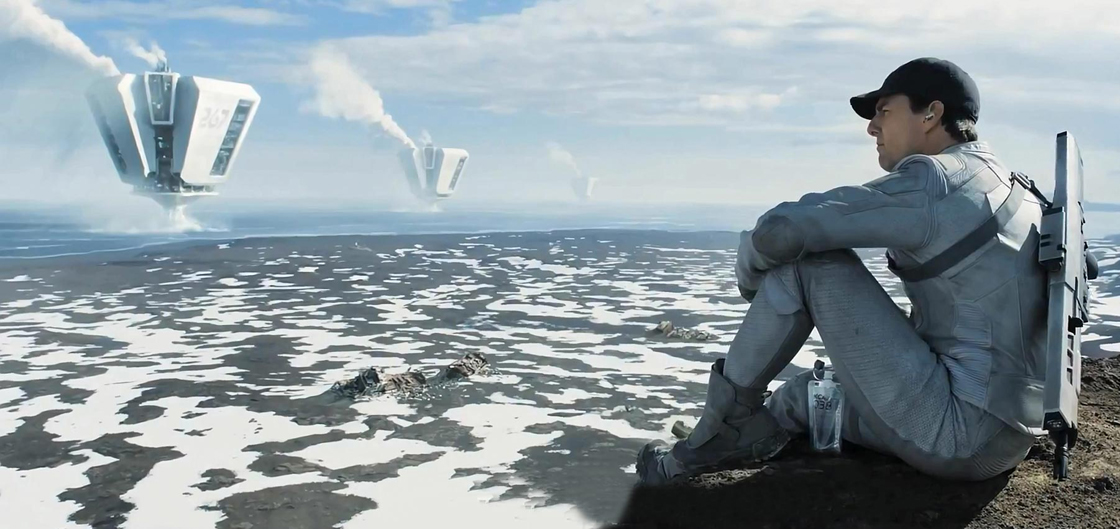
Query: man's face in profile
[[898, 131]]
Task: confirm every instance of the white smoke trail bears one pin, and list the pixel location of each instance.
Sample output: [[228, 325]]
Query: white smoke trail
[[153, 57], [425, 137], [22, 19], [560, 155], [342, 93]]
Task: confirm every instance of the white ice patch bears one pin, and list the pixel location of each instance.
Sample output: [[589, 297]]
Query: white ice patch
[[350, 452], [1111, 347], [571, 396], [33, 494], [8, 395], [398, 311], [231, 282], [225, 435], [196, 276], [502, 430]]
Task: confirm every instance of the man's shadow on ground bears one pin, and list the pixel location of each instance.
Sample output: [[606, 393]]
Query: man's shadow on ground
[[861, 489]]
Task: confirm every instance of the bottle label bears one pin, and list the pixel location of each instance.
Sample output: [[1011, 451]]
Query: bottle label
[[826, 406]]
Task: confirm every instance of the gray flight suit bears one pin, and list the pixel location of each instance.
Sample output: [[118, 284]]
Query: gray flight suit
[[955, 388]]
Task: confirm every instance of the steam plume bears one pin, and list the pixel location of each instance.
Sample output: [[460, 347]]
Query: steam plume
[[560, 155], [22, 19], [153, 56], [340, 92]]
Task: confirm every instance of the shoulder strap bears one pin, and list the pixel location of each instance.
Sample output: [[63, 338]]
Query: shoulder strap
[[975, 240]]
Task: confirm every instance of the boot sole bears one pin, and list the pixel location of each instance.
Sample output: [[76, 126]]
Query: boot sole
[[733, 462]]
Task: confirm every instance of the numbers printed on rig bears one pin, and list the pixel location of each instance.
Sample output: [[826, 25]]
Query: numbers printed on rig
[[212, 118]]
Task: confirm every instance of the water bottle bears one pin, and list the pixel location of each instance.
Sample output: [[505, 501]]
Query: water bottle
[[826, 407]]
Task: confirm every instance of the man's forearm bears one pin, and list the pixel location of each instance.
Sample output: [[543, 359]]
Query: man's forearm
[[895, 211]]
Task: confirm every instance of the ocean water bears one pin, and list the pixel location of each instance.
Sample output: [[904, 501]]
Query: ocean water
[[41, 231], [38, 231]]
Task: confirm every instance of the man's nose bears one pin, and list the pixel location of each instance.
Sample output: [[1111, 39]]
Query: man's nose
[[872, 128]]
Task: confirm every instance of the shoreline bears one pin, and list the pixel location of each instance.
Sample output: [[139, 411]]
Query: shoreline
[[7, 262]]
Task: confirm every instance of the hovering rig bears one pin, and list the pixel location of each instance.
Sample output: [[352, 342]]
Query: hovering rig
[[433, 172], [584, 186], [172, 138]]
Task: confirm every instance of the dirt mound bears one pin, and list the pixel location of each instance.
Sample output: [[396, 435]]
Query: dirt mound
[[862, 489]]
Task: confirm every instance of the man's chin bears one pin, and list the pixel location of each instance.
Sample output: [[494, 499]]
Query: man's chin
[[885, 163]]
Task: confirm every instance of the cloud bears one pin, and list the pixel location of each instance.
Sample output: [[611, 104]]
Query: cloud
[[1046, 90], [743, 102], [715, 62], [745, 37], [146, 12], [439, 13], [380, 6]]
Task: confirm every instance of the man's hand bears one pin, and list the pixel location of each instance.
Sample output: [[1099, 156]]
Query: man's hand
[[748, 275]]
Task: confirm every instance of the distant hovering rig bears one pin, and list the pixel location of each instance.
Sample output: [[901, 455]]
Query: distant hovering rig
[[172, 138], [583, 187], [433, 173]]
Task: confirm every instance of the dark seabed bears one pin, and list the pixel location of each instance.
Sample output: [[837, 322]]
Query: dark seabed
[[183, 385]]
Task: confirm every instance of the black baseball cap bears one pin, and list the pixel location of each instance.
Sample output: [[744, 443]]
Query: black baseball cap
[[929, 78]]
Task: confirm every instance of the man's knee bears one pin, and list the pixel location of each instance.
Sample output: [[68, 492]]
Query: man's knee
[[798, 271], [784, 286], [832, 258]]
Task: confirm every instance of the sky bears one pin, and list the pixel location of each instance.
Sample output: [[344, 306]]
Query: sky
[[698, 101]]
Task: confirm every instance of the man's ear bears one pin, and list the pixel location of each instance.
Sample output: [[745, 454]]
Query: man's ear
[[933, 115]]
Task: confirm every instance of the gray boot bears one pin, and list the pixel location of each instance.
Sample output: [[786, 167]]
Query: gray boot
[[735, 429]]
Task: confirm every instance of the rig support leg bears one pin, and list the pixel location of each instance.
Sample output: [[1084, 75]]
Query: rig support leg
[[1064, 440]]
